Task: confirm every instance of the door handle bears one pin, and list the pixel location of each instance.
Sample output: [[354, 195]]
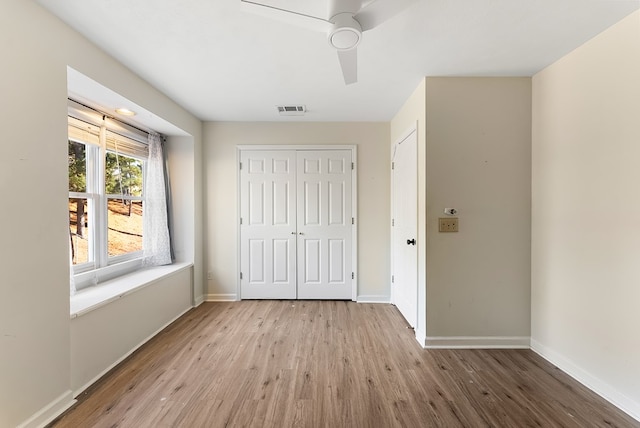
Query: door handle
[[411, 241]]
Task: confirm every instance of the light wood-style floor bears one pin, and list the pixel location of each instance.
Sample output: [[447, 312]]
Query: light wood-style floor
[[327, 364]]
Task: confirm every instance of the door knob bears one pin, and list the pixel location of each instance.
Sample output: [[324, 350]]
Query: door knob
[[411, 242], [293, 233], [300, 233]]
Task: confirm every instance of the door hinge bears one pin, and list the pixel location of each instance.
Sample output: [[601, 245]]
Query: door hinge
[[240, 275], [353, 275], [393, 222], [240, 165], [353, 220], [352, 165], [240, 220], [393, 165], [393, 279]]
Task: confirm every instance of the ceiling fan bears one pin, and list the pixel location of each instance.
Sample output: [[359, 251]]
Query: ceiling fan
[[348, 20]]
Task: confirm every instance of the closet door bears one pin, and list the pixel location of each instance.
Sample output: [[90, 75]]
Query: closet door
[[268, 224], [324, 224]]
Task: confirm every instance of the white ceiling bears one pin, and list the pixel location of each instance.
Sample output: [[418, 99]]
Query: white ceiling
[[221, 63]]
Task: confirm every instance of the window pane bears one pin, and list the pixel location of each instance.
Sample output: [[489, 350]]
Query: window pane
[[125, 226], [123, 175], [79, 230], [77, 167]]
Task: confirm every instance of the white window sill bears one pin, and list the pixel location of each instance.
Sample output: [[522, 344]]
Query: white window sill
[[91, 298]]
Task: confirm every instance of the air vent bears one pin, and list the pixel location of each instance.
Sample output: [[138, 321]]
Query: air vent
[[291, 110]]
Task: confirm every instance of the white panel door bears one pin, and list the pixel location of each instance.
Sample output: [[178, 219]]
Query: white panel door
[[405, 228], [324, 224], [268, 224]]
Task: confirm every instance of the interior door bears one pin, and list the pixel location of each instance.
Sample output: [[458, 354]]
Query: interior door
[[324, 224], [405, 228], [268, 224]]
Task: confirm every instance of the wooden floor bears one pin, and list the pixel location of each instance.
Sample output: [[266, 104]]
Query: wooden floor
[[327, 364]]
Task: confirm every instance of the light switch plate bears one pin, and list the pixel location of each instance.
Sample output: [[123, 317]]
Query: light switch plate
[[448, 224]]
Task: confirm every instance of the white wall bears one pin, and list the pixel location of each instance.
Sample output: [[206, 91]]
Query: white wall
[[185, 170], [474, 144], [479, 162], [586, 206], [372, 139], [34, 308], [105, 336], [35, 369]]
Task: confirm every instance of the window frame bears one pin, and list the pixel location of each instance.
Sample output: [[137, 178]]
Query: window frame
[[92, 178], [100, 266]]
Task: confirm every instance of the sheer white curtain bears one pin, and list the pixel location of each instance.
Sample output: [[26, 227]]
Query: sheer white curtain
[[155, 237], [72, 280]]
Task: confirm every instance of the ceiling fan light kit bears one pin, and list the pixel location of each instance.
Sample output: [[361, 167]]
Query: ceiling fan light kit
[[345, 33], [344, 29]]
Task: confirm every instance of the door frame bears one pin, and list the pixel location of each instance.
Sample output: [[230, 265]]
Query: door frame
[[354, 200]]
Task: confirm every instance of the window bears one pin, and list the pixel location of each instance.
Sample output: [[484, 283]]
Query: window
[[106, 198], [123, 187]]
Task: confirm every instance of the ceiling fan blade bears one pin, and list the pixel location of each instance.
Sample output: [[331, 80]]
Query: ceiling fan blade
[[287, 16], [378, 11], [349, 64]]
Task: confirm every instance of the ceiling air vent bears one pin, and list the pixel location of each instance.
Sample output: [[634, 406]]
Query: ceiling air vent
[[291, 110]]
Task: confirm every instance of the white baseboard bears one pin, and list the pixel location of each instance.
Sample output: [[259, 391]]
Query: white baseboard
[[221, 298], [50, 411], [477, 342], [121, 359], [373, 298], [598, 386], [234, 298]]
